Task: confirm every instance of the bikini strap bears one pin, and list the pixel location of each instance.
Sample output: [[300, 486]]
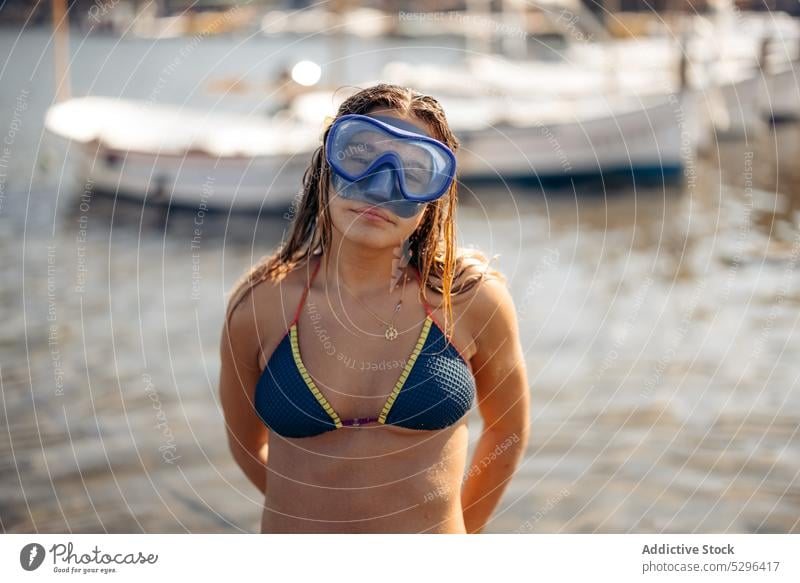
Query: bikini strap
[[305, 293], [433, 319]]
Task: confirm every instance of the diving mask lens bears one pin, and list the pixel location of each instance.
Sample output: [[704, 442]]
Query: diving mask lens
[[379, 162]]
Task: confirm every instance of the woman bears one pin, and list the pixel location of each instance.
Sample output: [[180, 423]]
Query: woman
[[345, 400]]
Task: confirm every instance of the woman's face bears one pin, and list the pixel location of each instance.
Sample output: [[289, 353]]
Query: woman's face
[[370, 225]]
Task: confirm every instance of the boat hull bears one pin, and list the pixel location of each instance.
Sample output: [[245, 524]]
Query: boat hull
[[195, 180], [652, 140]]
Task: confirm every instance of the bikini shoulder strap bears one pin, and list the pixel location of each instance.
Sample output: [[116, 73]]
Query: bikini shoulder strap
[[305, 291], [435, 321]]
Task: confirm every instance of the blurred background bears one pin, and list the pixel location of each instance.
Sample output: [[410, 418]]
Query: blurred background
[[631, 165]]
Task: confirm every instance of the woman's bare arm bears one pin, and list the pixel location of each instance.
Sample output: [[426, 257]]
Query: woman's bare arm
[[247, 435], [503, 401]]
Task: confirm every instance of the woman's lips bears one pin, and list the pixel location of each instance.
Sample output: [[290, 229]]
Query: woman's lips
[[373, 213]]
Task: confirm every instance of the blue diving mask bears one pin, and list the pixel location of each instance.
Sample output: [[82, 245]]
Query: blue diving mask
[[388, 162]]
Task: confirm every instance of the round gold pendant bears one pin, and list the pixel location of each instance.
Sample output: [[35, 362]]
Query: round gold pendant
[[391, 333]]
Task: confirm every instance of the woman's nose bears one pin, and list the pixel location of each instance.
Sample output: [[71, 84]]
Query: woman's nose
[[381, 183]]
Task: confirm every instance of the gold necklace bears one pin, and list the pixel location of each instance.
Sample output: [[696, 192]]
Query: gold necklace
[[391, 332]]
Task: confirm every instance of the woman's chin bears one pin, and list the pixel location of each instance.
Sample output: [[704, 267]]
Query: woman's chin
[[369, 234]]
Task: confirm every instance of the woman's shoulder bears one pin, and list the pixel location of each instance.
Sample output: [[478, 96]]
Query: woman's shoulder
[[475, 280], [485, 291], [488, 297], [261, 308], [478, 290], [258, 301]]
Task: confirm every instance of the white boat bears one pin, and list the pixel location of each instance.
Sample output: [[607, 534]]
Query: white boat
[[726, 56], [179, 156], [581, 138], [742, 61]]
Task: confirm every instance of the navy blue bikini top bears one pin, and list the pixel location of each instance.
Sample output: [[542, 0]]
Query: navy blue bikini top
[[436, 387]]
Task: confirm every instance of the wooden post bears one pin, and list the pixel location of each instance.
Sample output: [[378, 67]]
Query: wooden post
[[61, 50]]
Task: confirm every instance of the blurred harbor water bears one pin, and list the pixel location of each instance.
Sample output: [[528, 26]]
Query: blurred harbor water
[[659, 324]]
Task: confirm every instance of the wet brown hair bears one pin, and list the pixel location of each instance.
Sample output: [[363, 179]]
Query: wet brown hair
[[442, 267]]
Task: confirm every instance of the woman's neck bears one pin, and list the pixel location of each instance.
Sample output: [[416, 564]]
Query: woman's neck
[[363, 270]]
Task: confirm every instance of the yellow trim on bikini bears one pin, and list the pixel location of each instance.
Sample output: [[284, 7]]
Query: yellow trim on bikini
[[409, 365], [309, 381]]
